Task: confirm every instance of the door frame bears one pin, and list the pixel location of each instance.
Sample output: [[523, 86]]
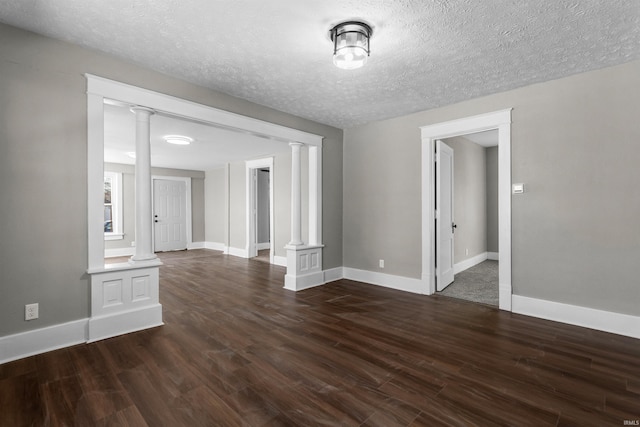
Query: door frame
[[187, 201], [500, 120], [251, 191]]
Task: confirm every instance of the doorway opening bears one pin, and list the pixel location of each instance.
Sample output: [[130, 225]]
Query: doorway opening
[[500, 121], [260, 209], [467, 180]]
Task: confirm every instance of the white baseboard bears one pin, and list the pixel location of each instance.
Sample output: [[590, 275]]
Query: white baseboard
[[607, 321], [400, 283], [493, 256], [216, 246], [303, 282], [242, 253], [121, 323], [263, 246], [118, 252], [469, 262], [333, 274], [280, 260], [29, 343], [196, 245]]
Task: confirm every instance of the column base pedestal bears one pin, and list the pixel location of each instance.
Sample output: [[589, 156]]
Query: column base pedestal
[[304, 267], [124, 298]]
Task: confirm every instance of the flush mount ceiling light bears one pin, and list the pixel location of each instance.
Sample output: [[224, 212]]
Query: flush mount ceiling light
[[350, 44], [178, 139]]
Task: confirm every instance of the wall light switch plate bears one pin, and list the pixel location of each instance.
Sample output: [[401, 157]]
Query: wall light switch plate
[[518, 188]]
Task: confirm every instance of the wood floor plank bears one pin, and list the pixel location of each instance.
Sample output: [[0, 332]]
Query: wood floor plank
[[239, 350]]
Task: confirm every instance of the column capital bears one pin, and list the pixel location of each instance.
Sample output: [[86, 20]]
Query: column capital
[[139, 109], [295, 144]]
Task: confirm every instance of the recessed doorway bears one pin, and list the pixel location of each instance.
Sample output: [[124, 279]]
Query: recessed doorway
[[260, 212], [470, 224], [500, 121]]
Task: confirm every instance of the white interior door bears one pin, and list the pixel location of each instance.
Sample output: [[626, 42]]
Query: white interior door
[[444, 219], [170, 215]]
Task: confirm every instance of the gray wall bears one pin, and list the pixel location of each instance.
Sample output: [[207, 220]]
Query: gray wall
[[469, 198], [281, 176], [216, 207], [219, 199], [43, 134], [575, 230], [491, 160], [128, 201], [237, 205]]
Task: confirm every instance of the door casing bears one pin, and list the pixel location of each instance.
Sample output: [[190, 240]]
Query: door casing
[[500, 120]]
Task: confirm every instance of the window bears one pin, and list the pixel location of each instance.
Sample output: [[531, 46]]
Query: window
[[113, 206]]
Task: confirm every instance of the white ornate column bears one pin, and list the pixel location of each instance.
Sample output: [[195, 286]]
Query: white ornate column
[[144, 224], [304, 261], [296, 196], [125, 297]]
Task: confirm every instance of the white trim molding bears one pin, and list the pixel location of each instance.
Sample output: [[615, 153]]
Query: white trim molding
[[333, 274], [280, 260], [400, 283], [493, 256], [263, 246], [42, 340], [103, 327], [196, 245], [134, 95], [469, 262], [215, 246], [500, 120], [239, 252], [607, 321], [118, 252]]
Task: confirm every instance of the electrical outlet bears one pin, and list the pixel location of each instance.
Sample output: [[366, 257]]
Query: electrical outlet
[[31, 311], [133, 244], [381, 263], [466, 251]]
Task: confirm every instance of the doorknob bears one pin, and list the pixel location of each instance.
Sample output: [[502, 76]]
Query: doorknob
[[453, 227]]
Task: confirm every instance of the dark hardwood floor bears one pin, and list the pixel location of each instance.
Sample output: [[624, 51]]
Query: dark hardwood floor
[[238, 350]]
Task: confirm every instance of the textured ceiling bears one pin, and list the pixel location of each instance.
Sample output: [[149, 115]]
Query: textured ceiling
[[425, 54]]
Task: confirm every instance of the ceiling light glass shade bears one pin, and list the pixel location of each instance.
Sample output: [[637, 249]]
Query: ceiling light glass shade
[[350, 44], [178, 139]]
